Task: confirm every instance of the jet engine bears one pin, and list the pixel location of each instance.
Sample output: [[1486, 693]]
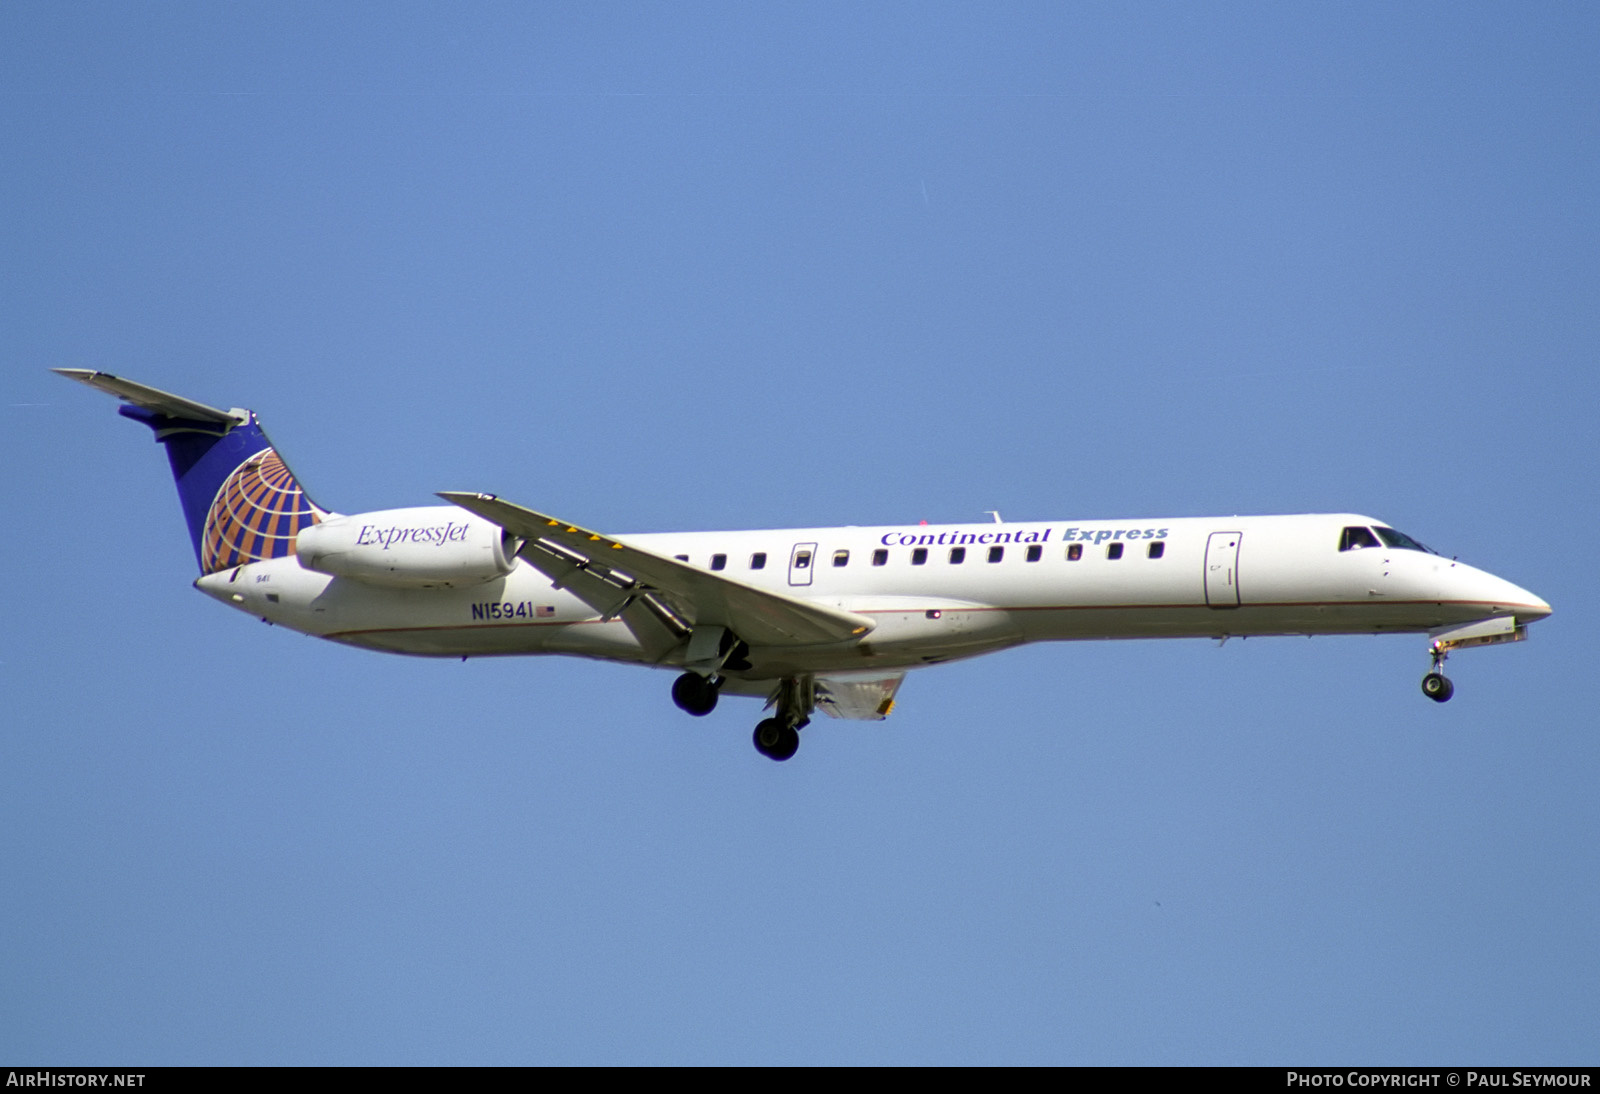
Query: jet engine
[[412, 548]]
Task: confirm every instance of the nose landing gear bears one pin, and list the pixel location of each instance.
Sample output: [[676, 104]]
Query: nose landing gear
[[1493, 631], [1436, 685]]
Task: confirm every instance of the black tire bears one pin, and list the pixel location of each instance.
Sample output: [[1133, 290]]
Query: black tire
[[788, 744], [1438, 687], [694, 694], [768, 736]]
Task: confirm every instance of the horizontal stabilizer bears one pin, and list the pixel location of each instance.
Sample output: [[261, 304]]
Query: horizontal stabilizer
[[762, 617], [162, 402], [240, 500]]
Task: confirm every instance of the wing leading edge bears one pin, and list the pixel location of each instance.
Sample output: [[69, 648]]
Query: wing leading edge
[[659, 598]]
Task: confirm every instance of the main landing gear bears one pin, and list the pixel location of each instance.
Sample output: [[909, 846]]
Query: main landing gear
[[1436, 685], [778, 738], [712, 649], [696, 694]]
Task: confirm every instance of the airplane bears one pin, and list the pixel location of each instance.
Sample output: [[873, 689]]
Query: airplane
[[808, 619]]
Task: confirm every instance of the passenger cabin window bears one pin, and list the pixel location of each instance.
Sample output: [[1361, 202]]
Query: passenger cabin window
[[1074, 552], [1401, 540], [1035, 553], [996, 554], [919, 555], [1157, 550], [1355, 537], [880, 557], [1114, 551], [719, 562], [958, 555], [758, 561], [802, 560], [841, 558]]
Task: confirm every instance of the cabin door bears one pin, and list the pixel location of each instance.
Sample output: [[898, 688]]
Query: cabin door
[[802, 560], [1222, 569]]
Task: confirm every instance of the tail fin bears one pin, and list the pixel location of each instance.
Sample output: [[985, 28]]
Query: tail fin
[[241, 500]]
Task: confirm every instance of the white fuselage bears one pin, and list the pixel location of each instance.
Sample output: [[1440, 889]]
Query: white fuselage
[[1210, 577]]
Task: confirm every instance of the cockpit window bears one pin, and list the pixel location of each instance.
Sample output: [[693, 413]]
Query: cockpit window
[[1401, 540], [1354, 537]]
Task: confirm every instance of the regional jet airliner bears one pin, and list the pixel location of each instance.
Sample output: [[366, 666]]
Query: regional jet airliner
[[808, 619]]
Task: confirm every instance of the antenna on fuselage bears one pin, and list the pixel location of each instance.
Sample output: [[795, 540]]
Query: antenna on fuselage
[[995, 514]]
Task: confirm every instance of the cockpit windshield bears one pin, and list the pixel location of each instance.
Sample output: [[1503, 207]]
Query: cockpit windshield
[[1401, 540], [1355, 537]]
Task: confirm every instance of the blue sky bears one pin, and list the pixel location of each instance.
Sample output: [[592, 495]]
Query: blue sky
[[720, 266]]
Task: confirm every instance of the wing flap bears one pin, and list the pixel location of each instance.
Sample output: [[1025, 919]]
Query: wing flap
[[699, 597], [657, 629]]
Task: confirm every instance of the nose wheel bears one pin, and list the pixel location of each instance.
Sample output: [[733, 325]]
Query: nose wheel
[[1436, 685]]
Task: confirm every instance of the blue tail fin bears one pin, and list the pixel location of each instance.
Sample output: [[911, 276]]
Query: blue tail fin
[[241, 500]]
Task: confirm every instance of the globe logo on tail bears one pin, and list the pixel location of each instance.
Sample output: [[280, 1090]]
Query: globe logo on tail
[[256, 515]]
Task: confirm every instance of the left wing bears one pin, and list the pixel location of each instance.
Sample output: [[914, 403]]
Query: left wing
[[611, 577]]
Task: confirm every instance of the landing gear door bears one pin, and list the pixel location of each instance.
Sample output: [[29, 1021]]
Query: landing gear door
[[802, 560], [1222, 569]]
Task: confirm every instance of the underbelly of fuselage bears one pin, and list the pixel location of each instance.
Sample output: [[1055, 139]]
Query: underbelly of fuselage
[[908, 639]]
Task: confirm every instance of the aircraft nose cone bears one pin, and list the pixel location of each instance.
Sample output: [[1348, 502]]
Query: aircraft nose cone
[[1497, 596], [1524, 605], [1532, 608]]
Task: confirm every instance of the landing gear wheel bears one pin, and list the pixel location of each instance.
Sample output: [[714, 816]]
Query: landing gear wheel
[[788, 744], [768, 734], [694, 694], [1437, 686], [775, 740]]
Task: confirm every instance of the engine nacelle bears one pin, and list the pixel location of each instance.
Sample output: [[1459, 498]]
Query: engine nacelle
[[414, 548]]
